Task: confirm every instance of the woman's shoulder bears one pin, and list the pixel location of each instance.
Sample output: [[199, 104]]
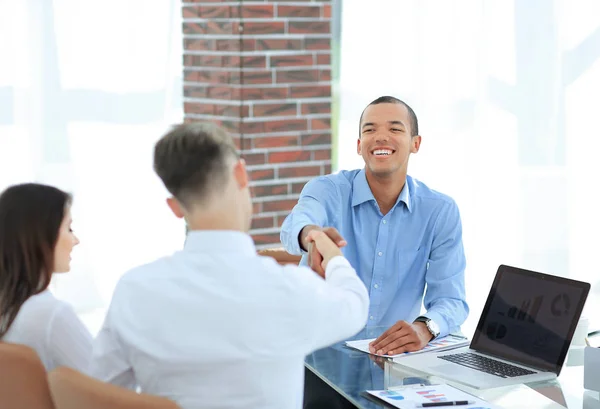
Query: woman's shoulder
[[39, 309]]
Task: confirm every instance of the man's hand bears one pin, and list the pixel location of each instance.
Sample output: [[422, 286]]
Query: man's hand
[[324, 247], [401, 337], [315, 259]]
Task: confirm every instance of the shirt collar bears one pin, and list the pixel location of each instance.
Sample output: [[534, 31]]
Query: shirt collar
[[219, 241], [361, 192]]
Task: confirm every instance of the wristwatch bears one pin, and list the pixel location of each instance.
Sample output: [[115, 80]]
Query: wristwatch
[[431, 325]]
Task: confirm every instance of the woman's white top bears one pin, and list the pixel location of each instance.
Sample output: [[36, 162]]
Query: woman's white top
[[52, 329]]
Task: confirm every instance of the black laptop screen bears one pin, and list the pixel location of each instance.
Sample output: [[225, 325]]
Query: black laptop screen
[[530, 318]]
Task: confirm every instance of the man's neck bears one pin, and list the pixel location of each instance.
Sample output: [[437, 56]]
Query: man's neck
[[386, 189], [215, 219]]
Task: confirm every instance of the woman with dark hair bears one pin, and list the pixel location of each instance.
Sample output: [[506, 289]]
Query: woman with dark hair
[[36, 241]]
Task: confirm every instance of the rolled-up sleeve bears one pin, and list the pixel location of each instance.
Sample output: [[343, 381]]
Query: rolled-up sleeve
[[317, 197], [445, 299]]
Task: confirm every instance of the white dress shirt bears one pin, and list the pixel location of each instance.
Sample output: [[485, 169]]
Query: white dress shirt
[[52, 329], [217, 326]]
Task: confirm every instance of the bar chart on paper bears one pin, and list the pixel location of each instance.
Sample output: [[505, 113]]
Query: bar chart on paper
[[413, 396]]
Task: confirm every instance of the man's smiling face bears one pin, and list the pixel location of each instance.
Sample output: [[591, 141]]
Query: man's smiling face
[[385, 141]]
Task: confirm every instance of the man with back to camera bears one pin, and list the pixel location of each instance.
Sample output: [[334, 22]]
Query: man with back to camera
[[215, 325], [396, 232]]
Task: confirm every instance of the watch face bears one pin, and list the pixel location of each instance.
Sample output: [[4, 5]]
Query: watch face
[[433, 327]]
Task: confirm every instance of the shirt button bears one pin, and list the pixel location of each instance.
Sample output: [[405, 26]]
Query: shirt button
[[384, 221], [371, 318], [376, 286], [380, 254]]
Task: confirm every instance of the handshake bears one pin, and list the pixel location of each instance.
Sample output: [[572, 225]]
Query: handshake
[[322, 244]]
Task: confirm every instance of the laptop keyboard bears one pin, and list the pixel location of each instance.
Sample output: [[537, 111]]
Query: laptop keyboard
[[488, 365]]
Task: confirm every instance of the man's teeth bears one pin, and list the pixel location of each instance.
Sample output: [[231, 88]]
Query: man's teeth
[[382, 152]]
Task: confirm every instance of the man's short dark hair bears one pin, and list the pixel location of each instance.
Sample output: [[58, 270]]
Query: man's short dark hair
[[414, 124], [192, 160]]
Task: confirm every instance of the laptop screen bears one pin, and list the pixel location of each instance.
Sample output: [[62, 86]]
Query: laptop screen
[[530, 318]]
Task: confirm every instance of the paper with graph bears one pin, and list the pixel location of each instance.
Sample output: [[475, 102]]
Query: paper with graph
[[440, 344], [413, 396]]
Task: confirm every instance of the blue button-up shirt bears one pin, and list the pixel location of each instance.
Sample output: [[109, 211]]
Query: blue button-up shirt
[[417, 243]]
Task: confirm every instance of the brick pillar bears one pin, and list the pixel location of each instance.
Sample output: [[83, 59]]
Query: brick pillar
[[263, 71]]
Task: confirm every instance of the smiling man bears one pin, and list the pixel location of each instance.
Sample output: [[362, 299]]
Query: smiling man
[[399, 235]]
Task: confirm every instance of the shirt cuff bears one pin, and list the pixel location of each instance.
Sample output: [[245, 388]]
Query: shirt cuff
[[293, 244], [334, 263]]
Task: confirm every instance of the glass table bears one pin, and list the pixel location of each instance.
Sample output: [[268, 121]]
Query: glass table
[[337, 377]]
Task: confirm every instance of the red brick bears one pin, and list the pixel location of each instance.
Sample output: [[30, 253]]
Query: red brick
[[279, 44], [270, 190], [317, 43], [228, 61], [261, 174], [316, 139], [199, 44], [261, 27], [231, 124], [324, 75], [299, 171], [309, 27], [263, 93], [280, 220], [297, 187], [263, 222], [261, 126], [248, 44], [257, 11], [326, 11], [264, 239], [207, 12], [209, 27], [223, 92], [316, 108], [290, 60], [257, 77], [253, 127], [253, 159], [226, 45], [279, 205], [310, 91], [274, 142], [327, 169], [203, 108], [289, 156], [320, 123], [298, 11], [287, 125], [324, 59], [322, 154], [274, 110], [189, 12], [190, 91], [196, 108], [297, 76], [210, 77], [256, 207]]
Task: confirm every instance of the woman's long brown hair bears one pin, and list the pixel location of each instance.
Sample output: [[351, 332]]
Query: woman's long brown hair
[[30, 219]]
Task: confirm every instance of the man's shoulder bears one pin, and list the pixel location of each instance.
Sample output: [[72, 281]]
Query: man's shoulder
[[146, 273], [420, 191]]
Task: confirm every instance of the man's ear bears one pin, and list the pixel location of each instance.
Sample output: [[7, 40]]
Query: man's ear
[[358, 147], [175, 207], [415, 143], [240, 174]]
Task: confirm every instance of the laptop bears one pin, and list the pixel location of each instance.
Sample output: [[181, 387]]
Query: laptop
[[523, 334]]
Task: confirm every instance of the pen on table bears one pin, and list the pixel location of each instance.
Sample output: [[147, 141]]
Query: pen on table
[[587, 341], [446, 403]]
